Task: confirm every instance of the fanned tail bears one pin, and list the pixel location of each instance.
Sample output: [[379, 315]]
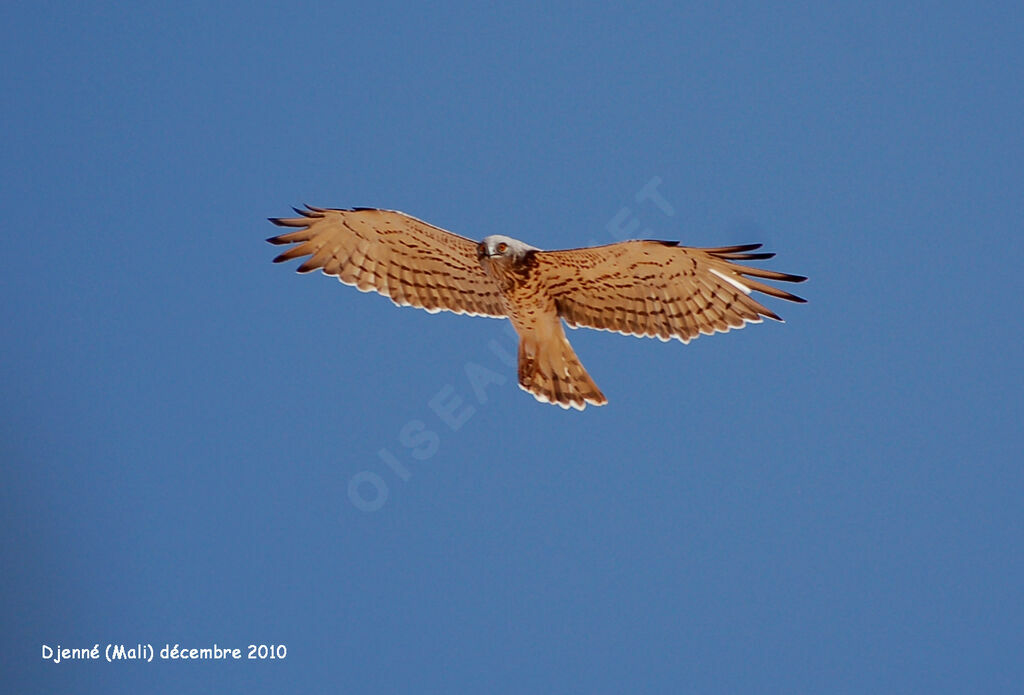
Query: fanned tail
[[551, 371]]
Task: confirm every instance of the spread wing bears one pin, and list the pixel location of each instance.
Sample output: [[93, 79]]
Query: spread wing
[[658, 288], [401, 257]]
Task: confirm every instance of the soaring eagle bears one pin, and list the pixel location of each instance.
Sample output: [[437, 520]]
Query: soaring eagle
[[641, 288]]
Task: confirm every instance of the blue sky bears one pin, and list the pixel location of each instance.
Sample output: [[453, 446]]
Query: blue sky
[[829, 505]]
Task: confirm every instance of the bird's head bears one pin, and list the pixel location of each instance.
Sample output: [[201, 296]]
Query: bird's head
[[502, 249]]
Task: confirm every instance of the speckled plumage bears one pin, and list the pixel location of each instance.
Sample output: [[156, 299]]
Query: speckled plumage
[[642, 288]]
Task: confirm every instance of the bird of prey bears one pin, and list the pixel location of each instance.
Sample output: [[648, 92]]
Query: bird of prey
[[641, 288]]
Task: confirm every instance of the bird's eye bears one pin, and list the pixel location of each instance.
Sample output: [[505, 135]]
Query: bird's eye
[[502, 247]]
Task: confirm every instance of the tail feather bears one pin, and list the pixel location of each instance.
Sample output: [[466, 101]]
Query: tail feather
[[551, 371]]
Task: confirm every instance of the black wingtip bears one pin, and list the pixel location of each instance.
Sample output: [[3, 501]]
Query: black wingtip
[[739, 248], [772, 275], [288, 222]]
